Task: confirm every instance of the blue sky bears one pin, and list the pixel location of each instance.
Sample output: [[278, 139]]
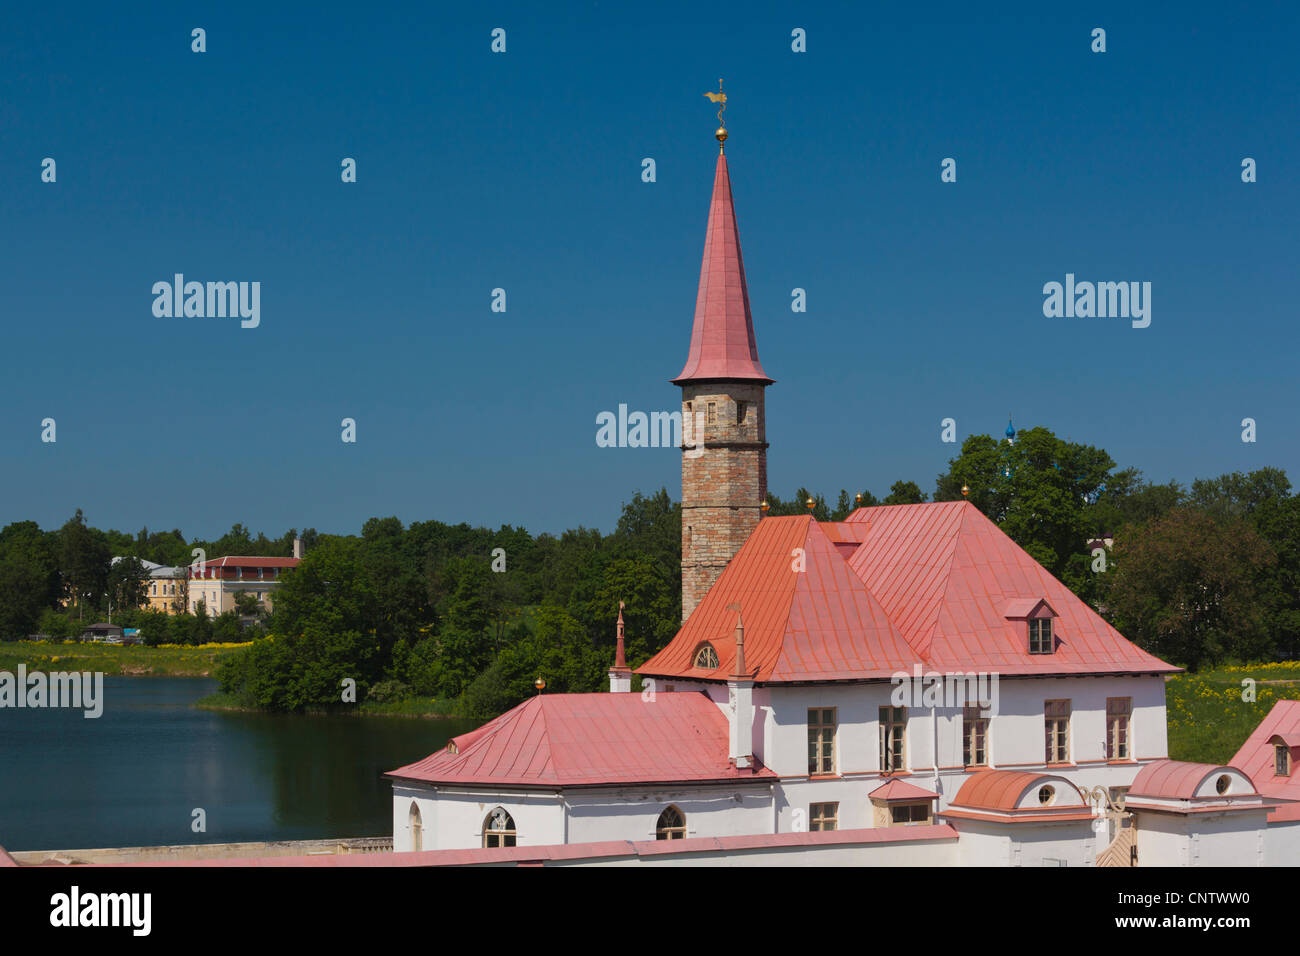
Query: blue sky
[[522, 170]]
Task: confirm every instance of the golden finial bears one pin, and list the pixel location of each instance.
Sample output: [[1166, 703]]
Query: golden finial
[[720, 97]]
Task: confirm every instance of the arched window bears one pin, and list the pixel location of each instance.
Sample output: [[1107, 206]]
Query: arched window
[[417, 828], [499, 829], [671, 825], [706, 657]]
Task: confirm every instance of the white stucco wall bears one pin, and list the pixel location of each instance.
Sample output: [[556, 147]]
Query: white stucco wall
[[1026, 844], [631, 814], [1015, 739], [1282, 844], [453, 820], [1238, 838]]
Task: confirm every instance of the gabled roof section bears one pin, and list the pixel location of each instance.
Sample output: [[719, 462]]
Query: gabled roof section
[[1256, 756], [901, 790], [946, 575], [722, 338], [559, 740], [1021, 609], [815, 624]]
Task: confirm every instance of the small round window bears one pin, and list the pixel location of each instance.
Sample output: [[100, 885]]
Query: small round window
[[1221, 785], [1046, 795]]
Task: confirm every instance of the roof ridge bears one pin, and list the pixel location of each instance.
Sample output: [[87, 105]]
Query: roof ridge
[[789, 604], [947, 579]]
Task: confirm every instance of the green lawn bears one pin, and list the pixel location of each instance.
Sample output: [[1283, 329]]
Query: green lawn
[[1208, 720], [116, 659]]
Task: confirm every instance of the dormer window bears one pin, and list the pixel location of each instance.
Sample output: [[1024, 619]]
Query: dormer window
[[1282, 760], [1040, 636], [706, 657]]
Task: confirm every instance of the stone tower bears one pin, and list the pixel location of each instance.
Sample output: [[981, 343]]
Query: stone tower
[[724, 428]]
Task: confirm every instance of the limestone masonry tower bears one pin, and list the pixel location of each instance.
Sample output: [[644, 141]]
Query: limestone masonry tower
[[724, 430]]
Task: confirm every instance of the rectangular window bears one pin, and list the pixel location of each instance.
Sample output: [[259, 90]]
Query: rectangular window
[[823, 816], [741, 409], [975, 737], [1056, 717], [821, 740], [1118, 711], [1282, 760], [1040, 636], [711, 417], [893, 721], [904, 813]]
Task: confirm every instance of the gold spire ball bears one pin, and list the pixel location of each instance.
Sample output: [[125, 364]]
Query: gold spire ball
[[720, 97]]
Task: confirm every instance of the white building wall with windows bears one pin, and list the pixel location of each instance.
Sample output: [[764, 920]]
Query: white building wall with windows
[[454, 820], [1016, 737]]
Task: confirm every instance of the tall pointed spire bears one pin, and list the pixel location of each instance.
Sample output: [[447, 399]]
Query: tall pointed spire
[[620, 675], [724, 415], [722, 339]]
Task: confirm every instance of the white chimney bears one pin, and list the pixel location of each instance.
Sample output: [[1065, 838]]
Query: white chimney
[[740, 690], [297, 548]]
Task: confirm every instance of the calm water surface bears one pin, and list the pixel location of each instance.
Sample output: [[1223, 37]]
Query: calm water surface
[[133, 776]]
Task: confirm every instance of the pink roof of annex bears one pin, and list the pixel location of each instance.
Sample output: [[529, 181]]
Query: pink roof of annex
[[559, 740]]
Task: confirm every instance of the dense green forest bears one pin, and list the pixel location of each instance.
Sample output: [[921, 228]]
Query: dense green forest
[[1200, 576]]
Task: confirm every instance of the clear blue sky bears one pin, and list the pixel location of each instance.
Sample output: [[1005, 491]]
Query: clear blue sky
[[523, 171]]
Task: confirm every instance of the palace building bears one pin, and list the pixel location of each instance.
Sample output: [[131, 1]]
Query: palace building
[[904, 687]]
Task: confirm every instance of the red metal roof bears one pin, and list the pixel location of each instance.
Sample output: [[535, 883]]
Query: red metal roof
[[995, 789], [1256, 757], [946, 575], [816, 624], [572, 740], [236, 561], [722, 338], [1173, 779], [929, 584], [901, 790]]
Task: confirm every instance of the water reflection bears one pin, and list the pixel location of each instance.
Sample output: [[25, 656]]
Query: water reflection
[[134, 776]]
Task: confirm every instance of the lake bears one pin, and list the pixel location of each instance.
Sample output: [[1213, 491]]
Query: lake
[[134, 776]]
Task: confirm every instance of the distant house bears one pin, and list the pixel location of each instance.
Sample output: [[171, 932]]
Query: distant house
[[167, 591], [218, 581], [104, 633]]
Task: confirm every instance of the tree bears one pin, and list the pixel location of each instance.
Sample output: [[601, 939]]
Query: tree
[[1187, 588], [248, 606], [1038, 490], [905, 493], [83, 562], [29, 579], [127, 583]]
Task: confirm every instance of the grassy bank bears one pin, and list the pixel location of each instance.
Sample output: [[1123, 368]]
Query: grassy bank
[[1208, 720], [167, 660], [418, 707]]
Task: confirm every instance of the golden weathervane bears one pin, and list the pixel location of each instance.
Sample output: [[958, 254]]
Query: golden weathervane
[[720, 97]]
